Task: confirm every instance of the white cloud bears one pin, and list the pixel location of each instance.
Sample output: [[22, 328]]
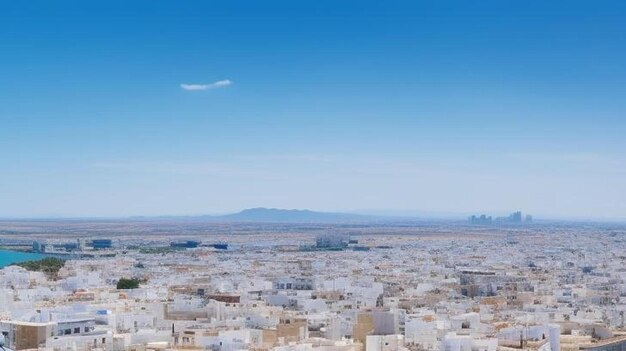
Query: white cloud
[[214, 85]]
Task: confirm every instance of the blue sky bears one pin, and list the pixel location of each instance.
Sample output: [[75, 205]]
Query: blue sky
[[120, 108]]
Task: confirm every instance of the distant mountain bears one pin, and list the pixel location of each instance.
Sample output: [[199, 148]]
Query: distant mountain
[[275, 215]]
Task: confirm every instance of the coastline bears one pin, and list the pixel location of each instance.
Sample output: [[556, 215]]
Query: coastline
[[9, 257]]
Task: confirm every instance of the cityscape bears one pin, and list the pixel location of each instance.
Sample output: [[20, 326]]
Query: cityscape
[[313, 175], [515, 217], [379, 284]]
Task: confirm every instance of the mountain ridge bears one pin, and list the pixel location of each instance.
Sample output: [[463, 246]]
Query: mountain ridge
[[276, 215]]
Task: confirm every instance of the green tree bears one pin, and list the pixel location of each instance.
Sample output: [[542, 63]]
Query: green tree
[[49, 265], [125, 283]]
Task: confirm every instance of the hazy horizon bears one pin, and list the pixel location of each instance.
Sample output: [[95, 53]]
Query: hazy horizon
[[122, 109], [367, 213]]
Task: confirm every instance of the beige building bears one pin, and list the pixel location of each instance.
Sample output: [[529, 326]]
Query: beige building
[[26, 335]]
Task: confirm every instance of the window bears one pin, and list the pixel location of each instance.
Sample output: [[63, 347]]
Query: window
[[67, 332], [76, 330]]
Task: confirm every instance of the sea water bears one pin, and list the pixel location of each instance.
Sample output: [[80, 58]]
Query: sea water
[[8, 257]]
